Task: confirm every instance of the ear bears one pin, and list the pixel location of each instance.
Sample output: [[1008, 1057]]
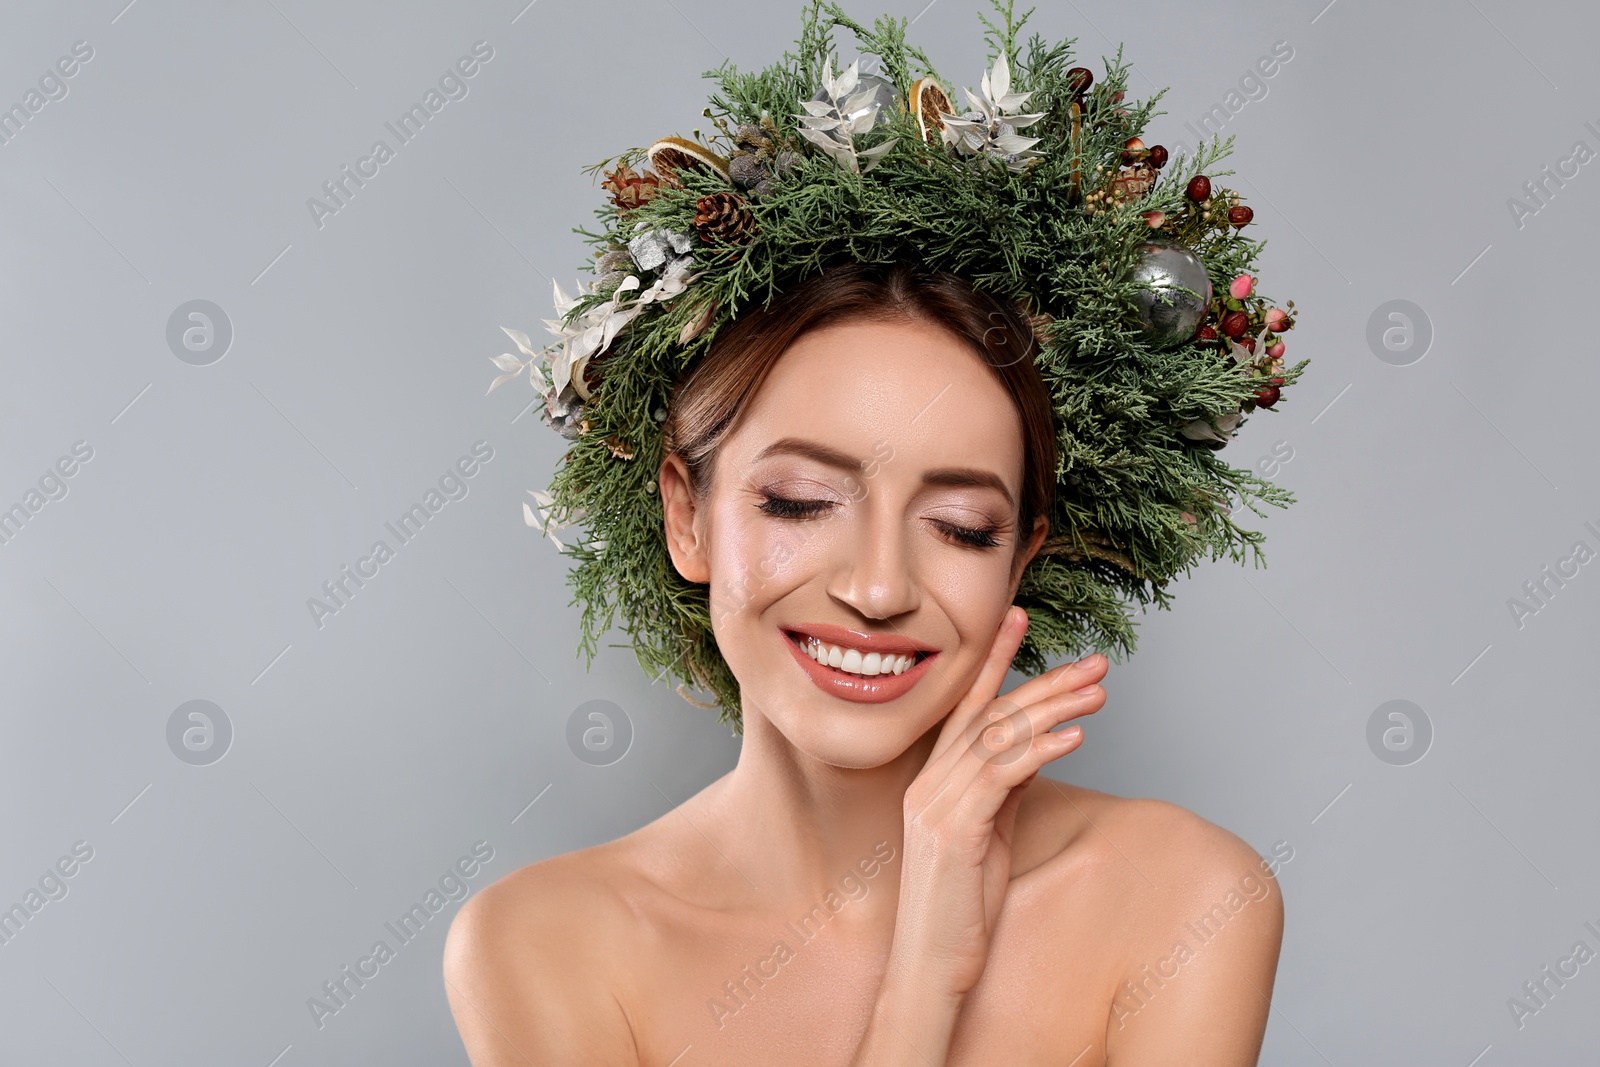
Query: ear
[[1041, 529], [685, 540]]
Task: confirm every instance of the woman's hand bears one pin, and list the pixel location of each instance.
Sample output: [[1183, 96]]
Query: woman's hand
[[961, 809]]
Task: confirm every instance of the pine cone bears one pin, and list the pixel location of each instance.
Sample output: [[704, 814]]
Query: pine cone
[[628, 189], [724, 217]]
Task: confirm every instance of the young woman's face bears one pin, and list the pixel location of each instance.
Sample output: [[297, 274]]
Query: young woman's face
[[873, 486]]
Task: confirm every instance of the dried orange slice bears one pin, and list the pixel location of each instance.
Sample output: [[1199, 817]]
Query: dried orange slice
[[671, 154], [927, 98]]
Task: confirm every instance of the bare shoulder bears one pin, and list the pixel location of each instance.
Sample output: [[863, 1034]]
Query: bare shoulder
[[1072, 824], [1196, 931], [1156, 835], [525, 965]]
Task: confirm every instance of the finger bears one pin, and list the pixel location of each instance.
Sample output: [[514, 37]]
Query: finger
[[1002, 650], [1065, 677], [1051, 711], [993, 734], [1005, 741], [1005, 820], [1007, 639], [981, 801], [1003, 733]]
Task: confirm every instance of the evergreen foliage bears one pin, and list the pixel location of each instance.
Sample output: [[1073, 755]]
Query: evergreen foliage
[[1126, 477]]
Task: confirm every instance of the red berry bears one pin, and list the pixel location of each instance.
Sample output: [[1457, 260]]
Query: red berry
[[1235, 323], [1199, 188], [1266, 396], [1079, 79], [1240, 216], [1158, 156], [1206, 333], [1154, 219], [1248, 344]]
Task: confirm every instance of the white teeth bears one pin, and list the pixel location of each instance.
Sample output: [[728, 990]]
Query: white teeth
[[855, 661]]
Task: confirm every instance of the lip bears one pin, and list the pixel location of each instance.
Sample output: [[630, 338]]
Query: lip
[[858, 688], [843, 635]]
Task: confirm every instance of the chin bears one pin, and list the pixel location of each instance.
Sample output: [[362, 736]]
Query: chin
[[844, 737]]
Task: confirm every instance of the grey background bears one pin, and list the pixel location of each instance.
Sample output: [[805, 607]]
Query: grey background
[[370, 753]]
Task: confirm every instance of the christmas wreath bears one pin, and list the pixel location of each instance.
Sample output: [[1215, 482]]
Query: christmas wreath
[[1154, 338]]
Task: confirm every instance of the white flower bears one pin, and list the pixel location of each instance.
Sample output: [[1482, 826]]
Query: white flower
[[514, 366], [992, 124], [832, 124], [543, 521], [1243, 357], [587, 336], [590, 334]]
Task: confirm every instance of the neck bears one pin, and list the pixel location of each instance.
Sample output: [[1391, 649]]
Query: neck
[[808, 824]]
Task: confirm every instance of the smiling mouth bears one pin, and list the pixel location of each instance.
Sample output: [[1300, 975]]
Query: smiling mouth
[[837, 658]]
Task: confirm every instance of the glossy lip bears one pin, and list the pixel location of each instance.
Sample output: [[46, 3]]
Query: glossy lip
[[843, 635], [857, 688]]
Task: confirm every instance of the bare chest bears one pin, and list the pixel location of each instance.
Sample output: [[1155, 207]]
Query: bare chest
[[783, 992]]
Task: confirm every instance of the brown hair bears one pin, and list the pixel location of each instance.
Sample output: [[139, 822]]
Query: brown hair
[[705, 405]]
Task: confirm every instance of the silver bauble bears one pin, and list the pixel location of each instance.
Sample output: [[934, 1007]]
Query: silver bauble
[[883, 98], [1169, 314]]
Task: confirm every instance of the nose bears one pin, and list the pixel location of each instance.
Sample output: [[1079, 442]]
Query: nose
[[876, 576]]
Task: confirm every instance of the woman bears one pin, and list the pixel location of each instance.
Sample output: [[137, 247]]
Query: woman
[[860, 473]]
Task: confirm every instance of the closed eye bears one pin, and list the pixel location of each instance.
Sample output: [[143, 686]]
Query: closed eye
[[967, 535], [784, 507]]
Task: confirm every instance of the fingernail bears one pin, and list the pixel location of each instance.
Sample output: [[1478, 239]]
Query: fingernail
[[1091, 660]]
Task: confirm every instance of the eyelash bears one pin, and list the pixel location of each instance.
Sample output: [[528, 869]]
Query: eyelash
[[784, 507]]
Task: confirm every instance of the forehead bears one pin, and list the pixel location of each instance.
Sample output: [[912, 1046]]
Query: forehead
[[911, 385]]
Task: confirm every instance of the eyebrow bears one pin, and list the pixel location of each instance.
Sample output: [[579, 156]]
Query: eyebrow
[[949, 476]]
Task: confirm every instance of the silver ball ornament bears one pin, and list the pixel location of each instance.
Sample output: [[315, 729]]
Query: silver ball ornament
[[1170, 315]]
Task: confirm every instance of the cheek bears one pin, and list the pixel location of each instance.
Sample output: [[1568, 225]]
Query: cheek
[[972, 587], [754, 560]]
